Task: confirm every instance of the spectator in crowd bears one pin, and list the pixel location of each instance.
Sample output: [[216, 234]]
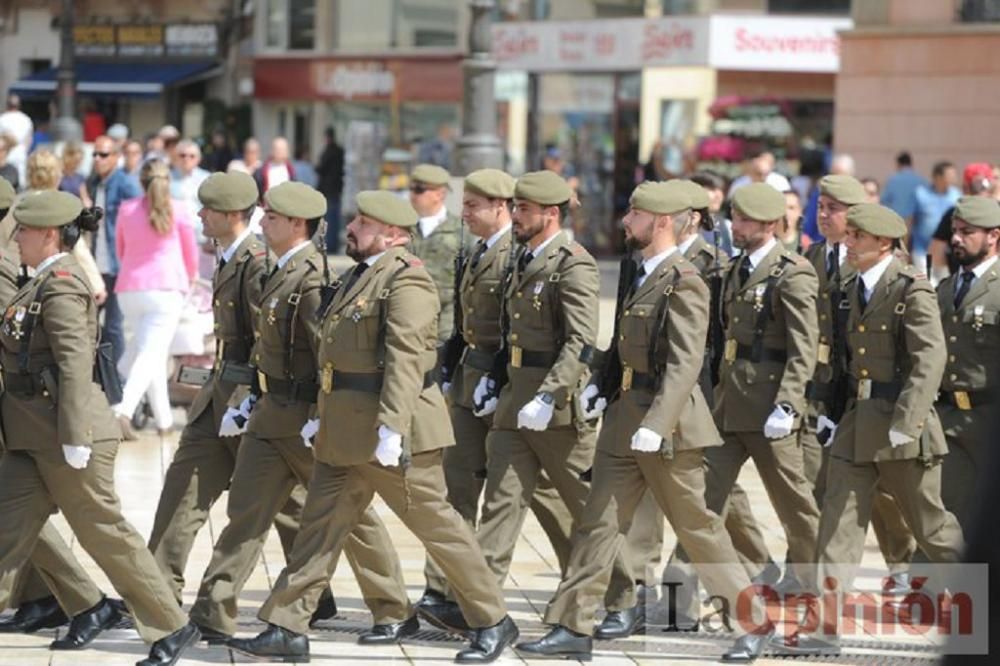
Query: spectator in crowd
[[790, 231], [331, 183], [654, 169], [93, 122], [171, 137], [72, 180], [156, 246], [872, 190], [759, 168], [17, 124], [812, 167], [277, 169], [219, 154], [7, 170], [715, 185], [251, 158], [45, 173], [118, 133], [978, 180], [900, 193], [303, 168], [153, 148], [108, 187], [437, 150], [133, 159], [932, 203], [187, 176], [842, 164]]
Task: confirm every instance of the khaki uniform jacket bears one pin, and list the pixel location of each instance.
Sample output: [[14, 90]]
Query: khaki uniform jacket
[[64, 341], [972, 335], [748, 392], [235, 306], [701, 254], [349, 420], [481, 298], [287, 342], [8, 287], [438, 252], [826, 311], [899, 328], [676, 411], [553, 307]]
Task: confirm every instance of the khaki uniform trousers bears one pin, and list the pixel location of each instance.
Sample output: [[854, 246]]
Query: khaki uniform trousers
[[515, 461], [465, 474], [267, 472], [961, 481], [780, 465], [847, 508], [895, 541], [337, 498], [678, 484], [53, 571], [200, 472], [34, 483]]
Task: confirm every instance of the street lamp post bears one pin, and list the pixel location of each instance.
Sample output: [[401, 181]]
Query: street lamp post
[[66, 127], [479, 146]]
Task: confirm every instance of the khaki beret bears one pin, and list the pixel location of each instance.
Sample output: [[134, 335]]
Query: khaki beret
[[7, 194], [876, 220], [759, 202], [387, 208], [543, 187], [845, 189], [698, 194], [430, 174], [47, 208], [491, 183], [296, 200], [226, 192], [982, 212], [661, 198]]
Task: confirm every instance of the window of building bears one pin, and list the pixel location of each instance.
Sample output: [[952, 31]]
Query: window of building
[[290, 24], [979, 11], [381, 25], [809, 6]]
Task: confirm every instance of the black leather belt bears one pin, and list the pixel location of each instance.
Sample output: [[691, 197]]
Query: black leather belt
[[292, 390], [478, 359], [966, 400], [866, 389], [524, 358], [638, 381], [745, 352], [366, 382]]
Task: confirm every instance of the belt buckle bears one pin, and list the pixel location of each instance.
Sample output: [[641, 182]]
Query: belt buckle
[[864, 389], [326, 378], [730, 352], [627, 378], [823, 354], [262, 380], [962, 400], [515, 356]]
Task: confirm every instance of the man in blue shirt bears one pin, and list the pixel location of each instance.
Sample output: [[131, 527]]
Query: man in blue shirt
[[931, 204], [901, 187]]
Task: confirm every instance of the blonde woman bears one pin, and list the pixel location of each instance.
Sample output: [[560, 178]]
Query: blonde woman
[[158, 254], [45, 172], [72, 180]]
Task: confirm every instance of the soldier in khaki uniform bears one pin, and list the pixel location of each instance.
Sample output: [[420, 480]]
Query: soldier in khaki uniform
[[769, 312], [654, 433], [273, 456], [438, 237], [206, 456], [471, 352], [970, 311], [383, 423], [61, 437], [890, 435]]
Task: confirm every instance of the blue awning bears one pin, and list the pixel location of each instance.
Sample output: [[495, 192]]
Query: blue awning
[[118, 78]]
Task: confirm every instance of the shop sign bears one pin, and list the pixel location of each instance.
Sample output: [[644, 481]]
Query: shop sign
[[94, 40], [351, 80], [776, 44], [192, 40], [146, 40], [140, 40]]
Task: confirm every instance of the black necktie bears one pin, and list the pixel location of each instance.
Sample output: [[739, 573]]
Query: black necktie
[[523, 262], [862, 299], [963, 288], [222, 263], [638, 279], [480, 251], [355, 274], [745, 269], [831, 261]]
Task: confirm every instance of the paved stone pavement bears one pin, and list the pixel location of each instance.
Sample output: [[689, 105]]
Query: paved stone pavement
[[533, 578]]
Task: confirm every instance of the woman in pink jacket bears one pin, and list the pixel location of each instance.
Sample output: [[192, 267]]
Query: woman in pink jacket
[[158, 253]]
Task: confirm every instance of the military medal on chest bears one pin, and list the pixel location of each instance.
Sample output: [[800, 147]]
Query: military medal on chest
[[16, 318], [272, 306], [758, 297], [536, 300], [358, 307], [977, 318]]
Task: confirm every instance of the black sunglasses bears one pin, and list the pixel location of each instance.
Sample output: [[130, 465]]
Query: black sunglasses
[[418, 189]]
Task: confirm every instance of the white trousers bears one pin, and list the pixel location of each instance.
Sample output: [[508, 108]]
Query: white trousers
[[151, 319]]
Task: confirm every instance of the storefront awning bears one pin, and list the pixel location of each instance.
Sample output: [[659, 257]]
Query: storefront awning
[[118, 79]]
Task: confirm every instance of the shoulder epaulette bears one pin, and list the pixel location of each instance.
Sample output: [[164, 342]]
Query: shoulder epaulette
[[794, 258], [573, 249], [411, 260], [686, 269], [62, 273]]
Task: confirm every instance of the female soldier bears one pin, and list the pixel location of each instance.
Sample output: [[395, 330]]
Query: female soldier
[[61, 437]]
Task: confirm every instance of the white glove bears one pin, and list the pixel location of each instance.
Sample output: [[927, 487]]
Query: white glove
[[823, 423], [76, 457], [484, 402], [309, 430], [445, 388], [234, 421], [390, 446], [779, 424], [535, 415], [591, 396], [646, 441], [897, 438]]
